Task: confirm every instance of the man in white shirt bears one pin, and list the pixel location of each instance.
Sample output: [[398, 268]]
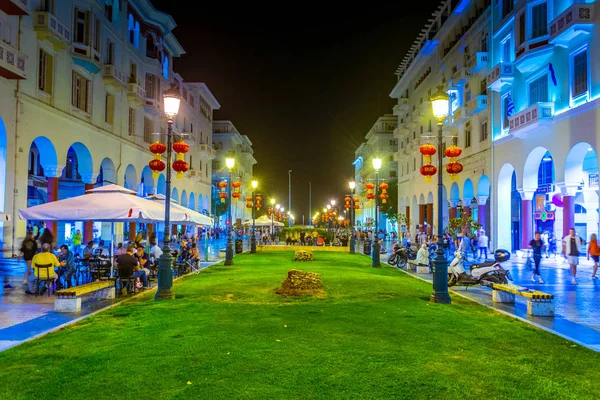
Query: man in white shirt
[[571, 250], [483, 243], [155, 251]]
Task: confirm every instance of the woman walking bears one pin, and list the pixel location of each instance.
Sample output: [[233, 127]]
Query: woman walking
[[594, 251], [29, 248], [537, 245]]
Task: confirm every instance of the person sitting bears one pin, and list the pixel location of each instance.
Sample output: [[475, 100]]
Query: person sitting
[[155, 251], [423, 255], [67, 266], [143, 260], [101, 250], [46, 257], [120, 249], [127, 265], [88, 250]]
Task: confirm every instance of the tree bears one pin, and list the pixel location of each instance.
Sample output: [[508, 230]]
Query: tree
[[391, 205], [464, 225]]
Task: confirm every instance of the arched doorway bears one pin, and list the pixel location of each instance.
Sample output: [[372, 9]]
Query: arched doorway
[[108, 173], [483, 202], [468, 196], [175, 195], [131, 180], [507, 234], [184, 198], [192, 201], [538, 186], [147, 182], [200, 204], [161, 186]]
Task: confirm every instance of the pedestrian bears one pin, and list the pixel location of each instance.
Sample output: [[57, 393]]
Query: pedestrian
[[594, 251], [483, 242], [537, 244], [28, 248], [47, 238], [571, 250], [77, 238]]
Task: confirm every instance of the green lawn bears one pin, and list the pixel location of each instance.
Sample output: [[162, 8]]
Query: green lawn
[[373, 336]]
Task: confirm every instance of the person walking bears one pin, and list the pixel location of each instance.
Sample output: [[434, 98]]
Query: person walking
[[594, 251], [483, 242], [571, 250], [29, 248], [537, 244], [77, 238]]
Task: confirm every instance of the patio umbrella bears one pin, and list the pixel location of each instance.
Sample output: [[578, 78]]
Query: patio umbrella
[[264, 221], [195, 218]]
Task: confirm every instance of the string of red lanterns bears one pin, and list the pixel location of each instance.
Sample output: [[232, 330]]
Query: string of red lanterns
[[453, 168]]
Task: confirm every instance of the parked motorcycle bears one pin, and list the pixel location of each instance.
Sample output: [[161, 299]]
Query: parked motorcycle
[[401, 255], [488, 271]]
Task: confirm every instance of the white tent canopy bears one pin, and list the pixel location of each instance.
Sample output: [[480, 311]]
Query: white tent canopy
[[195, 217], [106, 203], [264, 221]]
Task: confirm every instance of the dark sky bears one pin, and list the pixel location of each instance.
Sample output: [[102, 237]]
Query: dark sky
[[305, 90]]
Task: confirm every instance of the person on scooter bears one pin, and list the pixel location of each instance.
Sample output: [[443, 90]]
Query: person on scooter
[[537, 244]]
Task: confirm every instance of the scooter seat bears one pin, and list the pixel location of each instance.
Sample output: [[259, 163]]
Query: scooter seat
[[482, 265]]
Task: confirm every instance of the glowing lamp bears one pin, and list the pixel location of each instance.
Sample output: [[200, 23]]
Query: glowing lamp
[[439, 104], [172, 99], [254, 184], [352, 185], [230, 162], [376, 163]]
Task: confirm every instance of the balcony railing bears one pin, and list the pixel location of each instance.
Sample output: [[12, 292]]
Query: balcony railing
[[501, 75], [14, 7], [461, 76], [530, 116], [49, 28], [533, 53], [12, 62], [574, 21], [113, 77], [478, 63], [136, 95], [477, 105], [86, 56]]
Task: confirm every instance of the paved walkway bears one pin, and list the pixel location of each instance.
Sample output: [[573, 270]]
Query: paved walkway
[[577, 306]]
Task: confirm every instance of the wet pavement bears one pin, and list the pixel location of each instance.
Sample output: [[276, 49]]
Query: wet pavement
[[577, 307]]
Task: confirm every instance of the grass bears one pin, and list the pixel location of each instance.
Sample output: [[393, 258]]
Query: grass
[[374, 335]]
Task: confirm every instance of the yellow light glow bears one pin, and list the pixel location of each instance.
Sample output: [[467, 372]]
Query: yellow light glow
[[439, 104], [230, 162], [254, 184], [377, 163], [352, 185]]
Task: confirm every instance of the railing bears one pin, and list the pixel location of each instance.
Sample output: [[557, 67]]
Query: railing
[[477, 61], [478, 104], [110, 71], [14, 7], [577, 13], [12, 62], [531, 115], [43, 20], [501, 73]]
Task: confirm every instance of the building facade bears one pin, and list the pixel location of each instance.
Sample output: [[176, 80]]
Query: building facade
[[81, 87], [228, 141], [545, 98], [379, 142], [452, 51]]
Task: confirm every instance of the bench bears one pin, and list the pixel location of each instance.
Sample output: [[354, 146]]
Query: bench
[[413, 265], [69, 300], [539, 304]]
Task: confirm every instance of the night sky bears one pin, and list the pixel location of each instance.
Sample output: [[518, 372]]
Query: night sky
[[305, 90]]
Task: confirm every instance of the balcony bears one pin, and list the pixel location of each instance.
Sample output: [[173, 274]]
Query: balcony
[[460, 115], [400, 132], [206, 151], [478, 63], [12, 62], [531, 118], [577, 20], [461, 76], [451, 85], [501, 75], [14, 7], [195, 175], [533, 53], [86, 56], [49, 28], [113, 77], [401, 107], [425, 107], [477, 105], [136, 96], [152, 106]]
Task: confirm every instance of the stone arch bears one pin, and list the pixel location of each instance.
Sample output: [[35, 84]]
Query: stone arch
[[131, 179], [85, 162], [421, 199], [148, 180], [454, 192], [175, 195], [184, 198], [468, 192], [3, 165], [429, 198], [483, 186], [108, 172], [192, 201], [161, 186], [531, 168], [207, 203], [504, 209], [199, 203], [574, 164], [47, 152]]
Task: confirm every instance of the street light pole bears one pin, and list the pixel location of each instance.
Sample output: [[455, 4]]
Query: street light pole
[[253, 239], [165, 262], [352, 186], [439, 103], [229, 162], [375, 255]]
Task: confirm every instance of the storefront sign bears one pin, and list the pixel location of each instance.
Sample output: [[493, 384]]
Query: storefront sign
[[540, 202], [544, 216]]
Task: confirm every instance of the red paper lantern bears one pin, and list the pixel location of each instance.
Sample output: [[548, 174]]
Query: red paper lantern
[[454, 168], [453, 151], [180, 167], [158, 148], [222, 185], [370, 186], [370, 196], [347, 199], [356, 207], [347, 206], [356, 200], [157, 165], [181, 147], [258, 199], [428, 171], [236, 185], [248, 205], [236, 195], [427, 150], [384, 186], [222, 196], [249, 198]]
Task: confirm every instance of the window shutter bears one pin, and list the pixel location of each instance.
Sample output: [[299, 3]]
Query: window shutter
[[73, 89], [88, 96], [49, 78]]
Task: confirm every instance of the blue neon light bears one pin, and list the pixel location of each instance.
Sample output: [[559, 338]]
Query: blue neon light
[[461, 6]]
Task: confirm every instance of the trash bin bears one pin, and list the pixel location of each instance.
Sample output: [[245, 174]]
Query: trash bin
[[367, 247], [239, 247]]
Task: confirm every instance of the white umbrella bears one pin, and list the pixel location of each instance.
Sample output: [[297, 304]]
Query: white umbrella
[[106, 203], [195, 218], [264, 221]]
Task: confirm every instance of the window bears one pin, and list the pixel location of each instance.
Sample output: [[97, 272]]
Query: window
[[539, 20], [467, 137], [506, 50], [429, 126], [521, 29], [506, 105], [108, 11], [81, 24], [45, 71], [421, 129], [131, 125], [414, 135], [393, 174], [507, 7], [47, 5], [110, 52], [454, 142], [97, 34], [483, 135], [165, 66], [109, 109], [414, 164], [538, 90], [391, 158], [185, 94], [133, 27], [148, 128], [483, 86], [191, 101], [81, 93], [150, 47], [580, 73]]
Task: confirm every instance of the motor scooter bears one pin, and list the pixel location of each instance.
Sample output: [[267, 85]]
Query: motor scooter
[[487, 272]]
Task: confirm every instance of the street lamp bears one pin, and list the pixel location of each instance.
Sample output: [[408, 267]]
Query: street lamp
[[439, 105], [172, 99], [253, 239], [376, 249], [229, 163], [352, 186]]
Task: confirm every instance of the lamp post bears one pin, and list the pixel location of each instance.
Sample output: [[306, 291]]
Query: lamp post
[[253, 239], [172, 100], [230, 163], [439, 105], [352, 186], [376, 249]]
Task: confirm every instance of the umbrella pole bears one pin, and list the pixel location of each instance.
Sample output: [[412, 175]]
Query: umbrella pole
[[112, 245]]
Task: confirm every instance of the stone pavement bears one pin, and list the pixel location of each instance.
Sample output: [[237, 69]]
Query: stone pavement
[[577, 306]]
